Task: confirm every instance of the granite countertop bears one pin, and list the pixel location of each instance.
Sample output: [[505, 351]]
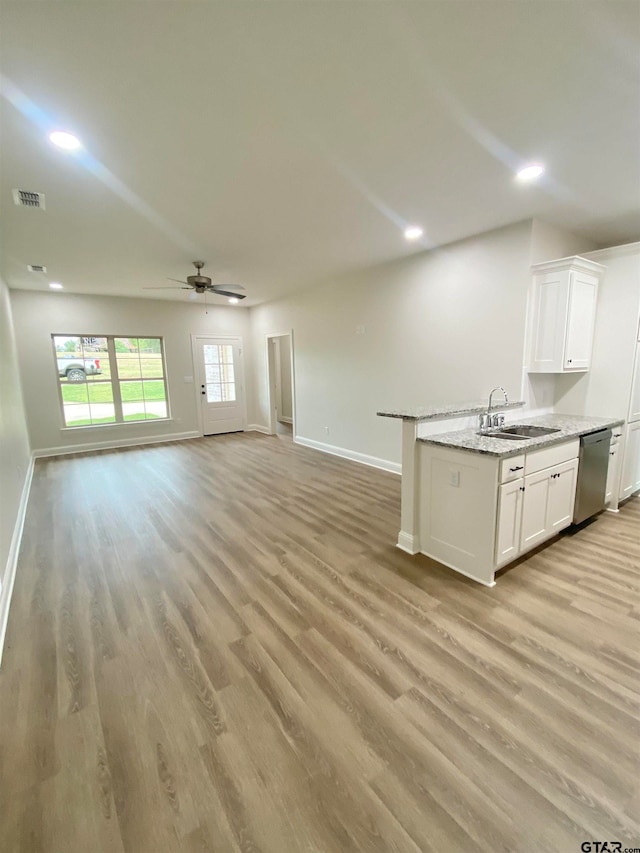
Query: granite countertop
[[446, 410], [569, 426]]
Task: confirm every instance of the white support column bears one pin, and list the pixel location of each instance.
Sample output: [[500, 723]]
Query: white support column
[[408, 537]]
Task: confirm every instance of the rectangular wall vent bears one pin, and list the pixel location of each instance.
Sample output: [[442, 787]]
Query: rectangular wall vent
[[36, 268], [28, 198]]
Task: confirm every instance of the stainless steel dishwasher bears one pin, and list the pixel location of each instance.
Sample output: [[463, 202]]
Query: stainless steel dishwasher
[[592, 474]]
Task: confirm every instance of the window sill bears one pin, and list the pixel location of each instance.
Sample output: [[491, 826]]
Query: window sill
[[118, 424]]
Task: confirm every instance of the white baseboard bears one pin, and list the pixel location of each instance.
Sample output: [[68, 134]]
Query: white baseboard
[[407, 543], [12, 560], [285, 420], [363, 458], [258, 428], [113, 444]]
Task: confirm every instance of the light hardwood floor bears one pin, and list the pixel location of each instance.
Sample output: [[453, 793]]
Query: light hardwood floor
[[215, 646]]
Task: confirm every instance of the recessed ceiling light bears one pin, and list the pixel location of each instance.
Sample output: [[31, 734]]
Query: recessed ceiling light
[[64, 140], [413, 232], [54, 285], [234, 300], [531, 172]]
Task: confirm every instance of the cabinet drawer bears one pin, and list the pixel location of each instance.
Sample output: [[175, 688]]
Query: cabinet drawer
[[536, 460], [512, 468]]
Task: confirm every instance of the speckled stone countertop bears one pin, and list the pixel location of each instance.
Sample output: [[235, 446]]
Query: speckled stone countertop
[[569, 426], [446, 410]]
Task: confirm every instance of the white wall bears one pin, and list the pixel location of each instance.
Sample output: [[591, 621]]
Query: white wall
[[443, 325], [39, 315], [14, 442], [549, 242], [604, 390]]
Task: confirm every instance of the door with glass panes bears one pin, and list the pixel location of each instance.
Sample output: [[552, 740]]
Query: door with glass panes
[[220, 384]]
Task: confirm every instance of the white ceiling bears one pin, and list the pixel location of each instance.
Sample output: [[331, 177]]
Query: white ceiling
[[285, 142]]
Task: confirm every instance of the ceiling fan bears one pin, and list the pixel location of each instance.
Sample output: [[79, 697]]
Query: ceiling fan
[[202, 284]]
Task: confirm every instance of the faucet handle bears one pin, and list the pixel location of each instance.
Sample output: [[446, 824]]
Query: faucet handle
[[484, 421]]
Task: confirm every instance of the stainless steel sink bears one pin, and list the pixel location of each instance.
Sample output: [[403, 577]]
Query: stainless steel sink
[[519, 432]]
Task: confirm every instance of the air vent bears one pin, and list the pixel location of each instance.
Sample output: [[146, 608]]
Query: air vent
[[36, 268], [27, 198]]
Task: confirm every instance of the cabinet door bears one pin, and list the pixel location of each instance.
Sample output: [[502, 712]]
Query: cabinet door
[[634, 402], [534, 509], [551, 295], [630, 481], [612, 472], [583, 293], [562, 496], [509, 521]]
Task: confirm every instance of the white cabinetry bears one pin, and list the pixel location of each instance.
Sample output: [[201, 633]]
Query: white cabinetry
[[562, 496], [510, 501], [563, 312], [478, 512], [535, 508], [634, 400], [612, 472], [630, 481]]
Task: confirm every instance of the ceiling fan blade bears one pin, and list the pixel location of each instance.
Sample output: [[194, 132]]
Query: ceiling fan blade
[[229, 293], [178, 280], [234, 286]]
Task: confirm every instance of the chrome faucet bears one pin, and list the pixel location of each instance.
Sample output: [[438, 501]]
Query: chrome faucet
[[486, 420]]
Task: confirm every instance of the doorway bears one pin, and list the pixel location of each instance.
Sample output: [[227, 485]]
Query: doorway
[[281, 384], [220, 389]]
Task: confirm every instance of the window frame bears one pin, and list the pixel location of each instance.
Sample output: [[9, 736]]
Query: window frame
[[114, 381]]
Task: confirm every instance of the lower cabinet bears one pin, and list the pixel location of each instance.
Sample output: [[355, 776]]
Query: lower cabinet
[[534, 508], [630, 480], [509, 521], [612, 472]]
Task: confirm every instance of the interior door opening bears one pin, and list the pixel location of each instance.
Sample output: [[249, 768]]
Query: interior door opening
[[281, 384]]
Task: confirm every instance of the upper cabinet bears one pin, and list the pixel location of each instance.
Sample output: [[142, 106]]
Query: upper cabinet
[[563, 305]]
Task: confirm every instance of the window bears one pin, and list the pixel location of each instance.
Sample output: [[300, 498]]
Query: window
[[109, 380], [218, 365]]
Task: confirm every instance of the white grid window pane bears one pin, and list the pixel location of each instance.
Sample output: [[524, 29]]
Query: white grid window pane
[[213, 372], [229, 392], [211, 354], [214, 393]]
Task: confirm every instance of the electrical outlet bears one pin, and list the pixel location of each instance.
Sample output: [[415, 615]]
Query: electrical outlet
[[326, 430], [454, 478]]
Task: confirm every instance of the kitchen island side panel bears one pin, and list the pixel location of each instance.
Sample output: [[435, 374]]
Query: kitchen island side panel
[[458, 507]]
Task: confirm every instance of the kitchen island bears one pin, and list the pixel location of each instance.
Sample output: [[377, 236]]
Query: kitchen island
[[477, 502]]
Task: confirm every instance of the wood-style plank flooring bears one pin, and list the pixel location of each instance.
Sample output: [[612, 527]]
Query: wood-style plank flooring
[[215, 646]]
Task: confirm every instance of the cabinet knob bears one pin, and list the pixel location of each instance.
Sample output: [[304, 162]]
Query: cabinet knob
[[612, 453], [522, 488], [570, 360]]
